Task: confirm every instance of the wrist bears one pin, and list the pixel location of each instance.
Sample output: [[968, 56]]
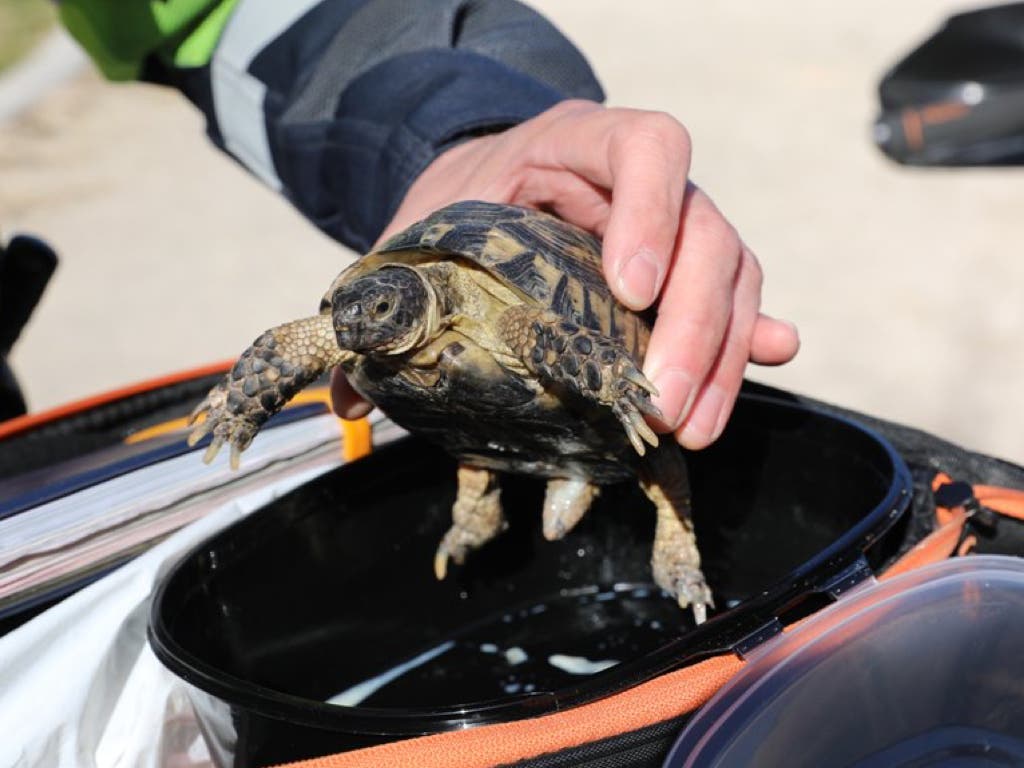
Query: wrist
[[447, 178]]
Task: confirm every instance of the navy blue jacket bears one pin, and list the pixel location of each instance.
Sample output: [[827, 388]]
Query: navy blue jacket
[[341, 104]]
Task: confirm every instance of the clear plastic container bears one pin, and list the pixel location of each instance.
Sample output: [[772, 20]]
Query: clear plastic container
[[925, 669]]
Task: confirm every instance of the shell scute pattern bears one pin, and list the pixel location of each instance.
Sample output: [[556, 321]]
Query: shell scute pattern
[[558, 267]]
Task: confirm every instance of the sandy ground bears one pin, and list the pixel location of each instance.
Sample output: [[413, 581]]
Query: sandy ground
[[908, 285]]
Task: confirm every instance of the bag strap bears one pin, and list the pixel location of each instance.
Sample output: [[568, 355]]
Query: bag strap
[[671, 695], [668, 696], [956, 503]]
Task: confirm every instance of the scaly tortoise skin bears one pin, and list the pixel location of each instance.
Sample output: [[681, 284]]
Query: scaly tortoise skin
[[489, 329]]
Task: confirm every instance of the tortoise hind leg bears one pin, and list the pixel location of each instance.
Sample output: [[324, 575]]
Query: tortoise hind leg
[[267, 375], [476, 517], [566, 501], [675, 560], [597, 367]]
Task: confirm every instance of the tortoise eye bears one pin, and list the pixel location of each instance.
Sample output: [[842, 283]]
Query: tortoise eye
[[382, 307]]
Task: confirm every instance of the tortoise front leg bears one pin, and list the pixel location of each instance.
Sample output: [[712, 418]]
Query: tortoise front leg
[[268, 374], [597, 367]]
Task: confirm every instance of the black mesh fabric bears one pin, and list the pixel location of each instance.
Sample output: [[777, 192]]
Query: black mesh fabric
[[99, 427], [644, 748], [926, 455]]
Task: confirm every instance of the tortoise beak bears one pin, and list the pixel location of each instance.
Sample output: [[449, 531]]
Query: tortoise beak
[[347, 318], [349, 335]]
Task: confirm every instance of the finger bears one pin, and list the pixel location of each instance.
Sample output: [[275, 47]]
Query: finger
[[643, 158], [649, 164], [695, 307], [774, 342], [716, 398], [568, 196], [345, 401]]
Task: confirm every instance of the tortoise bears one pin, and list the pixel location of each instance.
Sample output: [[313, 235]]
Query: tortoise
[[489, 329]]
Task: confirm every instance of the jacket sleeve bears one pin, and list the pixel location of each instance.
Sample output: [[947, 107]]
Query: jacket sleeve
[[341, 104]]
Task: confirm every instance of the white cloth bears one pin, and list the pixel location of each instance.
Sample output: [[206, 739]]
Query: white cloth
[[80, 686]]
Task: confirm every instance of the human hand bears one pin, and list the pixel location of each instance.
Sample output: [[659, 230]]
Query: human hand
[[622, 174]]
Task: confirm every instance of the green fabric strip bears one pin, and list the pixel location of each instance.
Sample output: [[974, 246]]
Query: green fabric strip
[[120, 34]]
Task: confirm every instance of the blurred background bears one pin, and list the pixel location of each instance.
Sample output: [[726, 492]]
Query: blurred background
[[907, 283]]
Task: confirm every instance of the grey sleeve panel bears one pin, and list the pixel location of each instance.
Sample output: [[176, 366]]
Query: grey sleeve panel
[[525, 41], [341, 104], [503, 30]]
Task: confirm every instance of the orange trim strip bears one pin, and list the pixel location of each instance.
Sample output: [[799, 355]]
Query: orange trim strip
[[943, 112], [1006, 501], [913, 129], [313, 395], [32, 420], [166, 427], [486, 746], [936, 546]]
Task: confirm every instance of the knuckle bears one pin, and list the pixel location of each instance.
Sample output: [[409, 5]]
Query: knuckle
[[730, 239], [572, 107], [663, 126], [658, 134], [718, 230], [725, 237], [754, 268]]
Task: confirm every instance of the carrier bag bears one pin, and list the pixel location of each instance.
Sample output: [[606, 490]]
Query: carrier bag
[[964, 503]]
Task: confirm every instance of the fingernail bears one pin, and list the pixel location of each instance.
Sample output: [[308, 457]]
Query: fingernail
[[639, 279], [675, 395], [707, 420]]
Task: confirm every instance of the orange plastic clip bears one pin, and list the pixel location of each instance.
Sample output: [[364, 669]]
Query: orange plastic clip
[[357, 438]]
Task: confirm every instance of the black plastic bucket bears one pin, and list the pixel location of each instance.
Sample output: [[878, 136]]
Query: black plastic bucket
[[329, 591]]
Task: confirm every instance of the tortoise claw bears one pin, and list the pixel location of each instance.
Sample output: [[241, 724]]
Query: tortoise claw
[[644, 404], [644, 429], [635, 376], [633, 401], [226, 426], [454, 547], [691, 591], [233, 430], [198, 433], [441, 563], [638, 431], [213, 449]]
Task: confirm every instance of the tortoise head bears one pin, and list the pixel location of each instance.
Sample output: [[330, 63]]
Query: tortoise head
[[388, 311]]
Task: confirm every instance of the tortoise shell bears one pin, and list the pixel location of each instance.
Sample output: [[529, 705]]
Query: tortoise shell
[[546, 260]]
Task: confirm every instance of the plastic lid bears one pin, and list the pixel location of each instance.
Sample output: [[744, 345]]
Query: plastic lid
[[924, 669]]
